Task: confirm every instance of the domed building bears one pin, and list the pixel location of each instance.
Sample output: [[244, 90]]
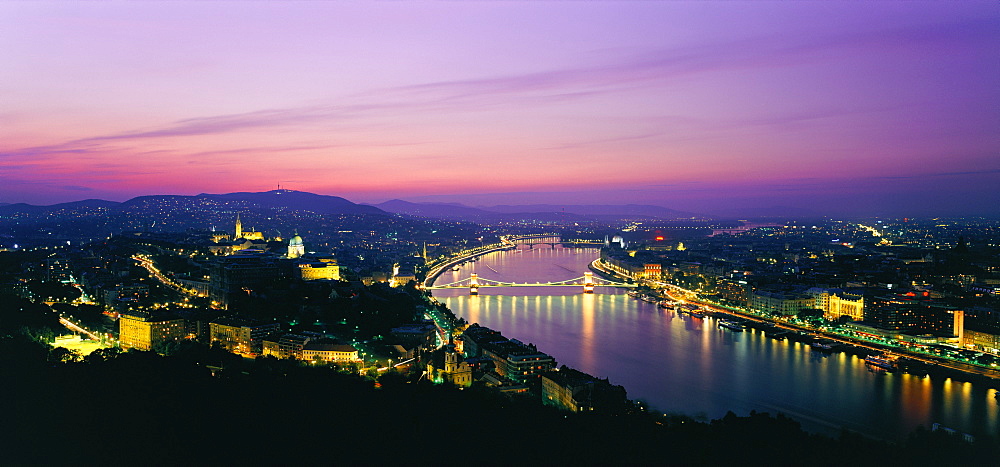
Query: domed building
[[295, 247]]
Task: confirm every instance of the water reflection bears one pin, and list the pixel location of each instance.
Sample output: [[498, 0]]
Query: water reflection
[[689, 365]]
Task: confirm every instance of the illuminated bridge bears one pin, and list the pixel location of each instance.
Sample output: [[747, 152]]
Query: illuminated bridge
[[550, 240], [588, 282]]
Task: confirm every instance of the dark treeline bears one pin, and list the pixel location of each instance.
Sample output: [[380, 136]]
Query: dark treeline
[[140, 407]]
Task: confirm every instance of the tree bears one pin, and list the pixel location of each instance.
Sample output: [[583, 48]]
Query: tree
[[63, 355], [810, 313], [102, 355]]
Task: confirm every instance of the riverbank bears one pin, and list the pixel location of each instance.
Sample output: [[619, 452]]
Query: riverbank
[[913, 363], [676, 363]]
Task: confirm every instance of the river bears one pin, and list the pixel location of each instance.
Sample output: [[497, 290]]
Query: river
[[687, 365]]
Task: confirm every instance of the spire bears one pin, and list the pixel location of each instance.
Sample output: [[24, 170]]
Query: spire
[[239, 227]]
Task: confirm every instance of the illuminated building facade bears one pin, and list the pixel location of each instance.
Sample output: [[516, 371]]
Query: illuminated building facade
[[328, 350], [852, 306], [58, 270], [446, 365], [308, 346], [241, 336], [401, 275], [285, 346], [121, 296], [780, 303], [296, 249], [914, 313], [981, 341], [576, 391], [735, 291], [143, 331], [319, 268], [836, 303], [512, 359], [248, 235]]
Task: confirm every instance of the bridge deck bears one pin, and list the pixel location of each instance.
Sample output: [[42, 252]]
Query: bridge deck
[[466, 286]]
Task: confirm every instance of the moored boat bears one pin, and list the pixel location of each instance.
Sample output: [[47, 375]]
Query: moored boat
[[731, 325], [776, 333], [886, 362], [823, 346]]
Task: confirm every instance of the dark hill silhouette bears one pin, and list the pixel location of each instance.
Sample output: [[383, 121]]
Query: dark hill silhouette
[[296, 200], [86, 204], [321, 204]]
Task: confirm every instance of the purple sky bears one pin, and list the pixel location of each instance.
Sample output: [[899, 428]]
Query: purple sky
[[842, 107]]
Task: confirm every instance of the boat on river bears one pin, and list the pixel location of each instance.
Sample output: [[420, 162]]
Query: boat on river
[[775, 333], [883, 361], [731, 325], [823, 345]]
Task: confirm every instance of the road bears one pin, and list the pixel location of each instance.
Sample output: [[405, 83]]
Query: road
[[148, 264]]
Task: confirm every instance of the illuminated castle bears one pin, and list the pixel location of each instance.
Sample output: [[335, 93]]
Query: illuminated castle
[[295, 247], [246, 235]]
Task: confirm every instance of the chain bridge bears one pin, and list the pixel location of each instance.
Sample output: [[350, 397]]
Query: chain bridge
[[587, 281]]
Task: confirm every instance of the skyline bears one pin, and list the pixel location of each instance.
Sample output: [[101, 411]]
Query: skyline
[[882, 108]]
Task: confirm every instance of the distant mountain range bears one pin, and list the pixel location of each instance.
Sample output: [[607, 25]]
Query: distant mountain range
[[541, 212], [87, 204], [324, 204], [275, 199]]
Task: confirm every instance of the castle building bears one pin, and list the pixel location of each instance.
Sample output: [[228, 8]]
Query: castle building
[[251, 235], [313, 268], [296, 248]]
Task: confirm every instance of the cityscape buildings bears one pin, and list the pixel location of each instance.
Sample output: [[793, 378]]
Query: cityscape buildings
[[730, 209]]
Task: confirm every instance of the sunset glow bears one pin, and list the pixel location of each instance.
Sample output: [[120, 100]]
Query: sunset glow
[[869, 107]]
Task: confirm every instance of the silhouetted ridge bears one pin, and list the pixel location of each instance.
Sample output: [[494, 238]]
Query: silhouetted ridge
[[86, 204], [321, 204]]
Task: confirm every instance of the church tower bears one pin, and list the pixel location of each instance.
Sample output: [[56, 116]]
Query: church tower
[[450, 360], [239, 227]]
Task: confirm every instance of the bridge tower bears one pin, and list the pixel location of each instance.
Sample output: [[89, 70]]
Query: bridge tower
[[588, 282], [474, 284]]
